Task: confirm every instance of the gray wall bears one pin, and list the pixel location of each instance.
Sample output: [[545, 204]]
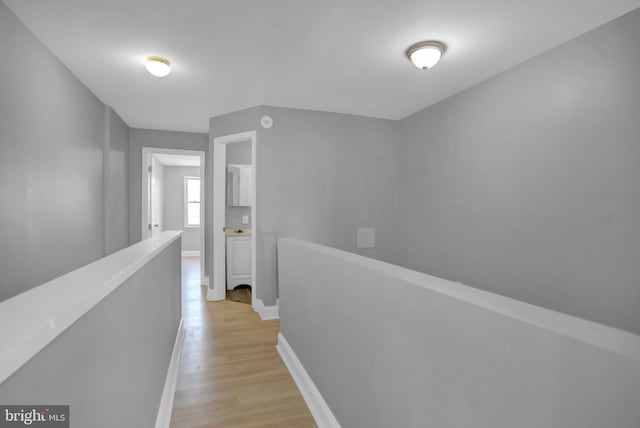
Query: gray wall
[[238, 153], [527, 184], [116, 183], [52, 177], [174, 204], [319, 176], [233, 217], [139, 138], [110, 365]]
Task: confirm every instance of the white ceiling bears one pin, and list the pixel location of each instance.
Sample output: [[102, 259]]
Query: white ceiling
[[177, 160], [342, 56]]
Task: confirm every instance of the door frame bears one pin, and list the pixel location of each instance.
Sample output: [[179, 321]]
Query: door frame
[[218, 147], [148, 227], [147, 153]]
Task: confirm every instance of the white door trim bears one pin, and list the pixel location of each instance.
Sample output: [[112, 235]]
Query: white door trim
[[219, 149], [147, 152]]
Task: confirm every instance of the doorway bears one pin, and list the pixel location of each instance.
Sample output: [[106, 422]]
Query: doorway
[[173, 198], [221, 195]]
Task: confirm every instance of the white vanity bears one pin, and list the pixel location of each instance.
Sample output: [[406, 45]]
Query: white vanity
[[238, 257]]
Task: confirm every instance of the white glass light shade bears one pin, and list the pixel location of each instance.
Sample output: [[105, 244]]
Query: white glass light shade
[[158, 66], [426, 54]]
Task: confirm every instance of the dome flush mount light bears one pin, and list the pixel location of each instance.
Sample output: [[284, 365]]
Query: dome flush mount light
[[425, 55], [158, 66]]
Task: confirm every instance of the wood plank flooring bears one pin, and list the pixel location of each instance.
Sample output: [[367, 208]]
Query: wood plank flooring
[[230, 373], [242, 295]]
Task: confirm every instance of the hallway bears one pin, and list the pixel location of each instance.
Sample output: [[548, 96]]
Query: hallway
[[231, 374]]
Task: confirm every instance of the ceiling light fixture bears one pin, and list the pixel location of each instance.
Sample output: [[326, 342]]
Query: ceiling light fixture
[[158, 66], [425, 55]]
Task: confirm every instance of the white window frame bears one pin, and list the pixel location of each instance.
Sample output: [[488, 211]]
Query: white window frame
[[186, 202]]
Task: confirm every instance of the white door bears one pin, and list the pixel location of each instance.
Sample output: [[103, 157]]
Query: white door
[[155, 199]]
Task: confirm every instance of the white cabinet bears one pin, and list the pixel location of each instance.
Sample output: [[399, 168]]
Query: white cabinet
[[238, 261]]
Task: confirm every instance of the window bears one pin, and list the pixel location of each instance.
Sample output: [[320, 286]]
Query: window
[[192, 201]]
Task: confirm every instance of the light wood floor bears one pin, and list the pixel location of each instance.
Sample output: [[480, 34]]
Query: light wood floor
[[242, 295], [231, 374]]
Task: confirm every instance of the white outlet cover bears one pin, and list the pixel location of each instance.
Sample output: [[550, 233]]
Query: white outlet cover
[[266, 122], [366, 237], [245, 219]]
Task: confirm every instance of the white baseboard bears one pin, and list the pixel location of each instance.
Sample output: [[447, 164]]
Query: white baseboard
[[163, 419], [191, 253], [265, 312], [211, 296], [317, 406]]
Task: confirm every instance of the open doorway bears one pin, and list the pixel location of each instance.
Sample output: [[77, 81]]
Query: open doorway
[[234, 217], [173, 198]]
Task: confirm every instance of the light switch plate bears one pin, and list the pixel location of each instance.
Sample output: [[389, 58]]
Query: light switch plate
[[245, 219], [366, 237]]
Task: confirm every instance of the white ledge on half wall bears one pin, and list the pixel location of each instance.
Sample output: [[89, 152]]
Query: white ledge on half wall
[[600, 335], [34, 318]]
